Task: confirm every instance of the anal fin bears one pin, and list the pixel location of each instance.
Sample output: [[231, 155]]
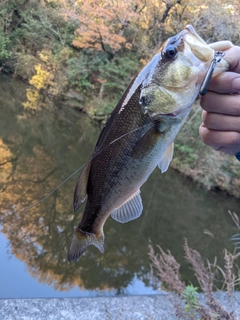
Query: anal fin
[[130, 209]]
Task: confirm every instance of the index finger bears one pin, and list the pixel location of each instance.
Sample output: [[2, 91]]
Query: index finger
[[232, 56]]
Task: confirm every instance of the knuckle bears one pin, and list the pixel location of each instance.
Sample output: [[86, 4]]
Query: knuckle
[[208, 119], [208, 102], [235, 138], [205, 135], [204, 117], [204, 102], [237, 104]]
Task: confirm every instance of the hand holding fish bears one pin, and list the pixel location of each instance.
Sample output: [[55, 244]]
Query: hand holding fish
[[220, 126]]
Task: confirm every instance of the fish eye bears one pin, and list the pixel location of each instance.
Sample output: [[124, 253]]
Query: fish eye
[[170, 53]]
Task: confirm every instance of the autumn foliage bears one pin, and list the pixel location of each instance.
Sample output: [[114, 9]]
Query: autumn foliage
[[111, 25], [102, 24], [95, 47]]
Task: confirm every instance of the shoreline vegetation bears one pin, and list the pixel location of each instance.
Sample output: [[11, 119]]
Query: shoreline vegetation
[[85, 53]]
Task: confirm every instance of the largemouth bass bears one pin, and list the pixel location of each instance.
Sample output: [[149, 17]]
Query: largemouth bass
[[139, 135]]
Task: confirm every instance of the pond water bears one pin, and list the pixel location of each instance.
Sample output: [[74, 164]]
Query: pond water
[[38, 150]]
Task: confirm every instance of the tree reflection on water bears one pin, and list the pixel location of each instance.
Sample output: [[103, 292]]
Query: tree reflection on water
[[38, 150]]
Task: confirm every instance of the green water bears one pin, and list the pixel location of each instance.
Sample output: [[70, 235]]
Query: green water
[[38, 150]]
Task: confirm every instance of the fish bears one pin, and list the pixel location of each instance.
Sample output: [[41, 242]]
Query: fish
[[139, 135]]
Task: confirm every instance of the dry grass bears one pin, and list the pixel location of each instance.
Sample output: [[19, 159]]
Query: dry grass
[[166, 268]]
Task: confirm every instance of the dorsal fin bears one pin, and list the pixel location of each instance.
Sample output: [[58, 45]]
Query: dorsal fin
[[130, 209], [166, 158], [80, 192]]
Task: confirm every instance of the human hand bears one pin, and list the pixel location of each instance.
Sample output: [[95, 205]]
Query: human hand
[[220, 126]]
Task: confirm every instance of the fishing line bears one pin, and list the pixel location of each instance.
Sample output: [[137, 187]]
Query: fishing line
[[76, 171]]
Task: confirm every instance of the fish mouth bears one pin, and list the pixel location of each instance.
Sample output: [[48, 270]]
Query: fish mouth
[[197, 45], [206, 53], [189, 29]]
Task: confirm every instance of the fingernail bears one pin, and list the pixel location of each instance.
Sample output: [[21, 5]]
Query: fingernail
[[236, 85]]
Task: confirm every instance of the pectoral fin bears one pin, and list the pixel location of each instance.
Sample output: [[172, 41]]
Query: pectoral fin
[[146, 142], [80, 192], [129, 210], [166, 158]]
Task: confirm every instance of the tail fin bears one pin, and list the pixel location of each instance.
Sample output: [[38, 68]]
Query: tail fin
[[80, 242]]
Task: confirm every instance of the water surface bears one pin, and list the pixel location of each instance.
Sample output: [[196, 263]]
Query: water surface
[[38, 150]]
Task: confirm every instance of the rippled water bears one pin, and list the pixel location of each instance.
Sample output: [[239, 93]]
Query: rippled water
[[38, 150]]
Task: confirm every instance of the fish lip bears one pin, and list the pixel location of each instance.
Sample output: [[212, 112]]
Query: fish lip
[[197, 45], [175, 40], [189, 28], [179, 36], [201, 50]]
